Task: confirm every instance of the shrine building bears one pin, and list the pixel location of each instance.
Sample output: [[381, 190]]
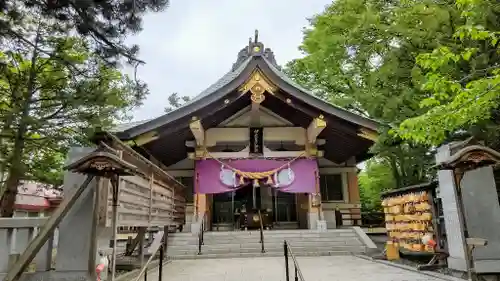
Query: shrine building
[[257, 142]]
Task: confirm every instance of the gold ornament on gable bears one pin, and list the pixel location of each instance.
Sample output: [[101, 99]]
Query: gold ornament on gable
[[257, 85]]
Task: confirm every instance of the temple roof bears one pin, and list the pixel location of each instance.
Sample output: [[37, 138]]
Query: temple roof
[[254, 52], [223, 94]]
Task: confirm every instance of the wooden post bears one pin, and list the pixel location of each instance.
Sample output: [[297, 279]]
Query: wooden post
[[151, 184], [95, 222], [115, 185], [142, 238]]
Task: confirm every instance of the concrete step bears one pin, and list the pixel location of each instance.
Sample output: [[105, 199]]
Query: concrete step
[[246, 243], [267, 240], [266, 232], [243, 235], [255, 255], [254, 244], [350, 249], [277, 234]]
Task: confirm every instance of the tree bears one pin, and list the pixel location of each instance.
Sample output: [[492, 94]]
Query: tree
[[175, 101], [376, 178], [52, 99], [463, 80], [105, 23], [361, 54]]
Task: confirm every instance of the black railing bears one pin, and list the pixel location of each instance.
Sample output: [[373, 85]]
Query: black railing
[[288, 253], [160, 267], [263, 248], [161, 248], [373, 219], [201, 233]]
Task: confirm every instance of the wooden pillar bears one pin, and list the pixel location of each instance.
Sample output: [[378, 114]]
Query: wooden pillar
[[354, 198], [314, 212], [353, 187], [201, 204]]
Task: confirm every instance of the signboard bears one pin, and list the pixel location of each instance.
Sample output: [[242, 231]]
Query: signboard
[[256, 141]]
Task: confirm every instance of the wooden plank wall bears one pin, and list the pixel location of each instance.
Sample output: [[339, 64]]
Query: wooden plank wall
[[152, 198]]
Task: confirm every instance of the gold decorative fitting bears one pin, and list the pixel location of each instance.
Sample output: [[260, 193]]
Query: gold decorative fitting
[[288, 101], [226, 101], [256, 76], [258, 84], [319, 122], [257, 97], [256, 49], [321, 116], [368, 134]]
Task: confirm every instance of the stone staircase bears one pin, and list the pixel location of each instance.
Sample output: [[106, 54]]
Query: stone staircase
[[246, 243]]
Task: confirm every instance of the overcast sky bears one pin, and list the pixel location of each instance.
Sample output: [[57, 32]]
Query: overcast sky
[[194, 42]]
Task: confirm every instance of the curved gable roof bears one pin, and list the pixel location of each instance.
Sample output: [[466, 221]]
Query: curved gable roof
[[250, 58]]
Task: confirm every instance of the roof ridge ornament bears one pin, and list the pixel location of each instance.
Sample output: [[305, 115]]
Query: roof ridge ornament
[[255, 48]]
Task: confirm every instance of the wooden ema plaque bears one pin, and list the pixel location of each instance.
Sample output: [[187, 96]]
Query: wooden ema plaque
[[408, 218]]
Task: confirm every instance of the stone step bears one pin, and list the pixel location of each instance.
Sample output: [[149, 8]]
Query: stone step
[[277, 238], [254, 244], [351, 249], [246, 243], [256, 232], [266, 236], [279, 233], [255, 255], [272, 240]]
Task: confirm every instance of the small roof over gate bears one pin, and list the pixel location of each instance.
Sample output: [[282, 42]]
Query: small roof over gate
[[345, 133]]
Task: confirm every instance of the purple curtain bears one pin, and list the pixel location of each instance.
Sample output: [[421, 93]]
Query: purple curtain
[[208, 173]]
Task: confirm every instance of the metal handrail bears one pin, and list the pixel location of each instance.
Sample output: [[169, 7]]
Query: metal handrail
[[263, 249], [144, 269], [288, 252], [201, 233]]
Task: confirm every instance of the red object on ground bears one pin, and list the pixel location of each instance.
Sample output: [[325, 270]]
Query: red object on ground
[[432, 243], [98, 270]]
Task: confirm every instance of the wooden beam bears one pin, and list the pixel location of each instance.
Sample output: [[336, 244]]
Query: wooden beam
[[368, 134], [144, 163], [317, 125], [335, 123], [255, 114], [192, 144], [145, 138], [137, 241], [245, 153], [198, 131], [45, 233]]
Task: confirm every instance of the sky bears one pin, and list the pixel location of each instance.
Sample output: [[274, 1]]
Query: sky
[[193, 43]]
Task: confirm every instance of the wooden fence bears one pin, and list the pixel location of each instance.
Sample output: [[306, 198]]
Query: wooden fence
[[150, 198], [15, 234]]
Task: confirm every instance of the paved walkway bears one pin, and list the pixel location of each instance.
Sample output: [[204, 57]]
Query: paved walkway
[[341, 268]]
